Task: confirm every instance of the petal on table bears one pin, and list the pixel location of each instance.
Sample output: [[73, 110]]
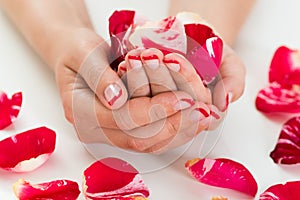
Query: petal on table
[[223, 173], [287, 149], [113, 178], [54, 190], [28, 150], [276, 99], [285, 67], [9, 108], [287, 191]]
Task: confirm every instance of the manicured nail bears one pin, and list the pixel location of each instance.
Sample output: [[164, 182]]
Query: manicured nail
[[135, 62], [112, 93], [214, 114], [228, 99], [183, 104], [123, 69], [173, 65], [198, 114], [151, 61]]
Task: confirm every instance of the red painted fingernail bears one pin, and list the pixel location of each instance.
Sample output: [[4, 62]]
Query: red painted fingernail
[[183, 104], [198, 114], [204, 112], [151, 57], [112, 93], [173, 65], [135, 62], [151, 61], [123, 69], [134, 57], [171, 61], [214, 114]]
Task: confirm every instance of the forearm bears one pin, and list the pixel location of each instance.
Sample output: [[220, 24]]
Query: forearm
[[227, 16], [42, 22]]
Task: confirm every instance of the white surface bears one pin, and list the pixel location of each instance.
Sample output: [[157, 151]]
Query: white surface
[[247, 137]]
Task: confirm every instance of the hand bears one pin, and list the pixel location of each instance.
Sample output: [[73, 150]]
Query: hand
[[144, 124], [148, 72]]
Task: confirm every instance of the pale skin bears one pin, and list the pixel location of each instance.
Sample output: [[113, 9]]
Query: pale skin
[[61, 32]]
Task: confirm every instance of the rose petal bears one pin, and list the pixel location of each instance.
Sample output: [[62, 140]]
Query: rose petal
[[287, 149], [275, 98], [206, 59], [28, 150], [120, 25], [112, 178], [287, 191], [223, 173], [285, 67], [54, 190], [9, 108], [166, 35]]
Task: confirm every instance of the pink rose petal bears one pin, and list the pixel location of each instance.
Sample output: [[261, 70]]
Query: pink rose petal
[[112, 178], [283, 93], [287, 191], [285, 67], [9, 108], [223, 173], [166, 35], [276, 99], [28, 150], [54, 190], [287, 149]]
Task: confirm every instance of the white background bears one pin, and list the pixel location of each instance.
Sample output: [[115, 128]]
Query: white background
[[247, 136]]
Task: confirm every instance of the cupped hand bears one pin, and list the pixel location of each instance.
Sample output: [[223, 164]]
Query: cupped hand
[[93, 103]]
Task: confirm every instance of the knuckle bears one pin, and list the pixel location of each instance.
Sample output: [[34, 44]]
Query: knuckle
[[136, 145], [141, 91], [171, 128]]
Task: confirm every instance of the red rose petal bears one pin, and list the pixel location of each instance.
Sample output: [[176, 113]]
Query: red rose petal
[[120, 25], [223, 173], [285, 67], [9, 108], [28, 150], [287, 191], [200, 35], [112, 178], [275, 98], [287, 149], [54, 190]]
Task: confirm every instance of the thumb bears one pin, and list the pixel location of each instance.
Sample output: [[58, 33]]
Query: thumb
[[104, 81], [232, 83]]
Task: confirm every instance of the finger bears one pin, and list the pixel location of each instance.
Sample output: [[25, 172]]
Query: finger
[[137, 81], [186, 77], [122, 69], [216, 117], [145, 139], [105, 82], [158, 75], [142, 111], [231, 85]]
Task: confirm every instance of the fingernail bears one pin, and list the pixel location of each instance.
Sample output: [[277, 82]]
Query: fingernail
[[135, 62], [228, 99], [123, 69], [151, 61], [112, 92], [214, 114], [198, 114], [183, 104], [173, 65]]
